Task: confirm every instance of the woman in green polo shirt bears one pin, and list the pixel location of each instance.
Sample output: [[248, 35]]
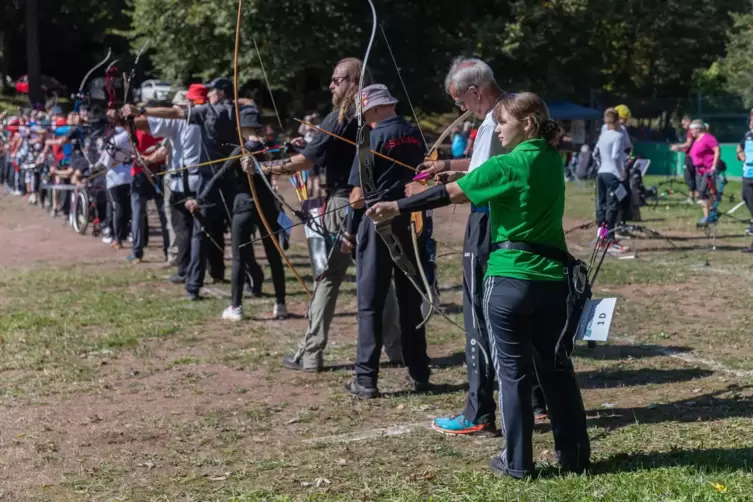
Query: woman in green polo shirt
[[524, 292]]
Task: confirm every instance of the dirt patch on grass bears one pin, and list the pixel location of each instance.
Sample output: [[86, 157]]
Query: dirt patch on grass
[[32, 238]]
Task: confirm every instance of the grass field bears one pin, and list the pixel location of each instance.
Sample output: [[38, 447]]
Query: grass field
[[113, 387]]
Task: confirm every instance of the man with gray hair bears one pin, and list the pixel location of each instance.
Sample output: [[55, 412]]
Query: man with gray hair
[[471, 84]]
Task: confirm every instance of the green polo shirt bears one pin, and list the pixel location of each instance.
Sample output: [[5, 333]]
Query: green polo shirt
[[525, 191]]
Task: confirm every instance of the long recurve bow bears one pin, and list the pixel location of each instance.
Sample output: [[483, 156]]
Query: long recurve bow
[[132, 138], [368, 188], [417, 219], [299, 213], [242, 142]]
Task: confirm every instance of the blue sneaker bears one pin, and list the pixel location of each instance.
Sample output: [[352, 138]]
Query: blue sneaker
[[702, 222], [133, 259], [459, 425]]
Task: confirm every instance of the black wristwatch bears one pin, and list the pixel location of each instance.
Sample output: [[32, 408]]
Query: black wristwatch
[[142, 110]]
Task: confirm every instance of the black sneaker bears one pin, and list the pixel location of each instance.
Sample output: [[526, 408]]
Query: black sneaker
[[418, 386], [571, 463], [498, 465], [177, 279], [360, 391], [193, 297], [220, 281], [291, 363]]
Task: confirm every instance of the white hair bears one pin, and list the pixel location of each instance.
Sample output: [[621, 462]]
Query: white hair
[[698, 124], [468, 72]]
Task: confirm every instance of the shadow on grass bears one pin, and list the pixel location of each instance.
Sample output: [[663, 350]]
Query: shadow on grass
[[617, 351], [714, 459], [456, 359], [434, 390], [451, 308], [606, 379], [451, 287], [701, 408]]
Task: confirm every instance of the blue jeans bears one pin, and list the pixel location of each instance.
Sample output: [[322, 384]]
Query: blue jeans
[[141, 192]]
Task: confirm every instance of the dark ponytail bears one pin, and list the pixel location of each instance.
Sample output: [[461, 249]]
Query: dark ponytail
[[552, 132]]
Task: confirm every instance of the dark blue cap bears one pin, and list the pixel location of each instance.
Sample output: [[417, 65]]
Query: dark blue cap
[[222, 84], [250, 116]]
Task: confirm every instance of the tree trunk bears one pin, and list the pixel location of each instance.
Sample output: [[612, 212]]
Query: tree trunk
[[32, 54], [3, 62]]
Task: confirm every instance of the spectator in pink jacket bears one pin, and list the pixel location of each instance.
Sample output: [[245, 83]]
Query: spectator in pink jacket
[[705, 154]]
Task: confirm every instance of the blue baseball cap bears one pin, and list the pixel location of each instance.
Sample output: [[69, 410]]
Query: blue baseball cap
[[222, 84]]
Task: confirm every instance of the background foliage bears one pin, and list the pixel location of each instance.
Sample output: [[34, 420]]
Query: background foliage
[[637, 49]]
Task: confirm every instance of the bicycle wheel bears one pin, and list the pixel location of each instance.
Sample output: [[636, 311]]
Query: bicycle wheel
[[81, 212], [94, 215]]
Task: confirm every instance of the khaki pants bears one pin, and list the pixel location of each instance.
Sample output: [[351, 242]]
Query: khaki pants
[[324, 300]]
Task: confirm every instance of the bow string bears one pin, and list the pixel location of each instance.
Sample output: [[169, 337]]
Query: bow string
[[250, 178]]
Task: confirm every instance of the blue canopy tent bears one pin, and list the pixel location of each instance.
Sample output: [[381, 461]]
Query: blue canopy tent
[[567, 110]]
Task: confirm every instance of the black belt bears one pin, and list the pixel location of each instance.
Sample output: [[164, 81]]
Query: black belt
[[544, 250]]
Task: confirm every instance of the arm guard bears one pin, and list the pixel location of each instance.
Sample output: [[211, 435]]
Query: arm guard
[[433, 198]]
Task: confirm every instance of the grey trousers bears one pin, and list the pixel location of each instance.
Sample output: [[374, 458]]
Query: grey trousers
[[172, 247], [324, 300]]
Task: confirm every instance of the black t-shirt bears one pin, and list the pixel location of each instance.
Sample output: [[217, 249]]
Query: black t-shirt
[[217, 124], [233, 180], [334, 155], [397, 139]]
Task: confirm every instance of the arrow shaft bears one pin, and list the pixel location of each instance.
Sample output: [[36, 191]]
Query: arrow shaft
[[354, 144]]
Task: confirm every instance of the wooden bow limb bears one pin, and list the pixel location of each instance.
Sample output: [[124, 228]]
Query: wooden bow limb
[[251, 183]]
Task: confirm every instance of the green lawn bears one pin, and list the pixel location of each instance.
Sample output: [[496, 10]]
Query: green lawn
[[116, 388]]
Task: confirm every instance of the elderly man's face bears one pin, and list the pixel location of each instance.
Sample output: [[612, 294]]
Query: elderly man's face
[[469, 100]]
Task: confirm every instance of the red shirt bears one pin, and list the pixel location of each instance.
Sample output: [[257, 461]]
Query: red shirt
[[144, 141], [57, 153]]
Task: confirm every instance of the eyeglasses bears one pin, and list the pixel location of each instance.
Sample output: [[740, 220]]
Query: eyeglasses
[[338, 80], [459, 102]]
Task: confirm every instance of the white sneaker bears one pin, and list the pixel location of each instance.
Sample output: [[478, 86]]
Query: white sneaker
[[107, 240], [280, 311], [232, 313]]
